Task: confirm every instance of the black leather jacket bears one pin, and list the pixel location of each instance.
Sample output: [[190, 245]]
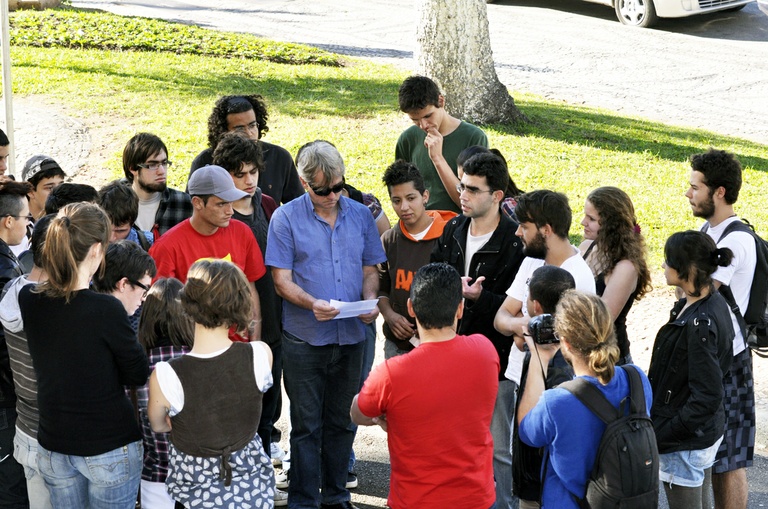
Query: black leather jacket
[[498, 260], [9, 269], [691, 355]]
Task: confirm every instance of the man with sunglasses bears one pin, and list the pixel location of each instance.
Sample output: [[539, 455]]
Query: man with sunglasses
[[322, 246], [14, 218], [247, 114], [481, 245], [145, 163]]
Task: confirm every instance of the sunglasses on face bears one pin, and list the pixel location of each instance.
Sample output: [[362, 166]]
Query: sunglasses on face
[[325, 191]]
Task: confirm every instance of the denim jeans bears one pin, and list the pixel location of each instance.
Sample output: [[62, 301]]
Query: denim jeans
[[320, 382], [13, 485], [271, 398], [106, 481], [501, 431], [369, 352], [25, 451]]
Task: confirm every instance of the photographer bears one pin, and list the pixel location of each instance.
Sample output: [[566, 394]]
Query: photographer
[[547, 285], [556, 419]]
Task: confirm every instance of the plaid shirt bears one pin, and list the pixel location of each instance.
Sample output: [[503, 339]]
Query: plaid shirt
[[175, 206], [155, 444]]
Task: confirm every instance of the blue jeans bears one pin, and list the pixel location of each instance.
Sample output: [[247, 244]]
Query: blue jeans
[[106, 481], [501, 431], [271, 398], [369, 352], [320, 382], [13, 484], [25, 451]]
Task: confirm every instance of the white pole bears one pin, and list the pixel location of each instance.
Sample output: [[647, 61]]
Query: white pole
[[5, 40]]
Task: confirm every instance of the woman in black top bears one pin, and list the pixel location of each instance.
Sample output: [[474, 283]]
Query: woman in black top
[[690, 356], [614, 248], [84, 351]]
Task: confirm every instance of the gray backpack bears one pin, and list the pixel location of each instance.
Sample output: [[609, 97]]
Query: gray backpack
[[626, 471]]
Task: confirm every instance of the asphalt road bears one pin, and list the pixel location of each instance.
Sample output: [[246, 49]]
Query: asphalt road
[[708, 71]]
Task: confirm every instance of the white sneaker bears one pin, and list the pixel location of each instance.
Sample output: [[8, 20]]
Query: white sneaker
[[276, 453], [281, 498], [281, 479]]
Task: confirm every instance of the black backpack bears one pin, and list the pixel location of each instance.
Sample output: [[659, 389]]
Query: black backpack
[[626, 471], [754, 323]]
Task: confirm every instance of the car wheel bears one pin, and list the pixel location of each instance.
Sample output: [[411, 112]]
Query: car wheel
[[640, 13]]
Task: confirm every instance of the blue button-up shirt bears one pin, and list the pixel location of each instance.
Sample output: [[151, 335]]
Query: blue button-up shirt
[[326, 263]]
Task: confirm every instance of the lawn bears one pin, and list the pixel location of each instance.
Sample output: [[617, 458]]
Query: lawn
[[352, 103]]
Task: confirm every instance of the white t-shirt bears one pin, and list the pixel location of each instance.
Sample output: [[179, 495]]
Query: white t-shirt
[[148, 211], [171, 385], [473, 246], [423, 233], [585, 281], [739, 274]]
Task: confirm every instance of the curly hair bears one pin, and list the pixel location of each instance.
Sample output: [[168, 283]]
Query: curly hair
[[217, 122], [618, 238]]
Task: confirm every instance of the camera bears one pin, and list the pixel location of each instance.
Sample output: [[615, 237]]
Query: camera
[[542, 329]]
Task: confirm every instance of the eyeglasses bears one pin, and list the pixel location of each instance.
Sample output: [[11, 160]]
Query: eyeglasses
[[253, 126], [471, 189], [29, 218], [325, 191], [140, 285], [156, 166]]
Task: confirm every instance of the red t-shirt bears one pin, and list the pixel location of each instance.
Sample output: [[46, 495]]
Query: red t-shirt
[[438, 400], [182, 245]]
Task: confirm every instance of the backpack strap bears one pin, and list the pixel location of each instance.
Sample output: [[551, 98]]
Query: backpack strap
[[593, 399], [636, 391]]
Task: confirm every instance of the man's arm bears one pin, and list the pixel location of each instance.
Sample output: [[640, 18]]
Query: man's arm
[[434, 144], [370, 291], [361, 419], [509, 319], [293, 293]]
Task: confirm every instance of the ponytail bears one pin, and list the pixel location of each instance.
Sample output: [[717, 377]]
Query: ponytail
[[67, 243], [585, 322]]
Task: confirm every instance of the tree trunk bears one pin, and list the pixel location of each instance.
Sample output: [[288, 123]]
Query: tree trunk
[[454, 49]]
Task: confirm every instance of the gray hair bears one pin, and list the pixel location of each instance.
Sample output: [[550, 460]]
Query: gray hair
[[319, 156]]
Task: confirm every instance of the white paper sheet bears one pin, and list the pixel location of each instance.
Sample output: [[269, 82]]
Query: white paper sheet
[[351, 309]]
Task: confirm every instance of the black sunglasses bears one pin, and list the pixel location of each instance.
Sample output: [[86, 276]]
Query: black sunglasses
[[140, 285], [325, 191]]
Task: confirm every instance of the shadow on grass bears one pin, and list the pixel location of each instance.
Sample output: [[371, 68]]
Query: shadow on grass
[[589, 127], [298, 95]]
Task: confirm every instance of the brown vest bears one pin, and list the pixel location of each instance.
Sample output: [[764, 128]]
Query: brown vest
[[222, 405]]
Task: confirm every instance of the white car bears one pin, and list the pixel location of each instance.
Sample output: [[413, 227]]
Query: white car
[[644, 13]]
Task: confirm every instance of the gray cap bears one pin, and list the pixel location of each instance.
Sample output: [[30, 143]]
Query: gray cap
[[36, 164], [214, 180]]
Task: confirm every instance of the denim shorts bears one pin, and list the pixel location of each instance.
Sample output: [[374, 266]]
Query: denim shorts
[[686, 468]]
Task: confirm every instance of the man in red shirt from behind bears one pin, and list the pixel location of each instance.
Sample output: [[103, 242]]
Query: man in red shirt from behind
[[435, 403]]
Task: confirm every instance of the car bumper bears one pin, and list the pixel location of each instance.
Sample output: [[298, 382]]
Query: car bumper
[[682, 8]]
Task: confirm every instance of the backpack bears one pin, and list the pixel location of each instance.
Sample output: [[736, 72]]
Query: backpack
[[754, 323], [626, 471]]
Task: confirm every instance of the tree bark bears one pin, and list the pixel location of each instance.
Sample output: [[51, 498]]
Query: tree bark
[[454, 49]]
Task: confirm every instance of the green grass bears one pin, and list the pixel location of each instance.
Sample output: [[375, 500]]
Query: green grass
[[70, 28], [567, 148]]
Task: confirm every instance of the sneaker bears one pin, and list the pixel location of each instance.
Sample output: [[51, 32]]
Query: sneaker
[[276, 453], [281, 479], [351, 480], [281, 498]]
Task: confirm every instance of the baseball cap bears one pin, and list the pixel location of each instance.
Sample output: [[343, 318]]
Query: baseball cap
[[214, 180], [38, 163]]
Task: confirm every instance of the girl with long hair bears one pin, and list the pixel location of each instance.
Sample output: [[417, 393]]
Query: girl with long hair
[[165, 332], [615, 250], [691, 354], [84, 351]]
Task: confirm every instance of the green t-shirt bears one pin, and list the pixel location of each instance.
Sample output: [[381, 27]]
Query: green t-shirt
[[410, 147]]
